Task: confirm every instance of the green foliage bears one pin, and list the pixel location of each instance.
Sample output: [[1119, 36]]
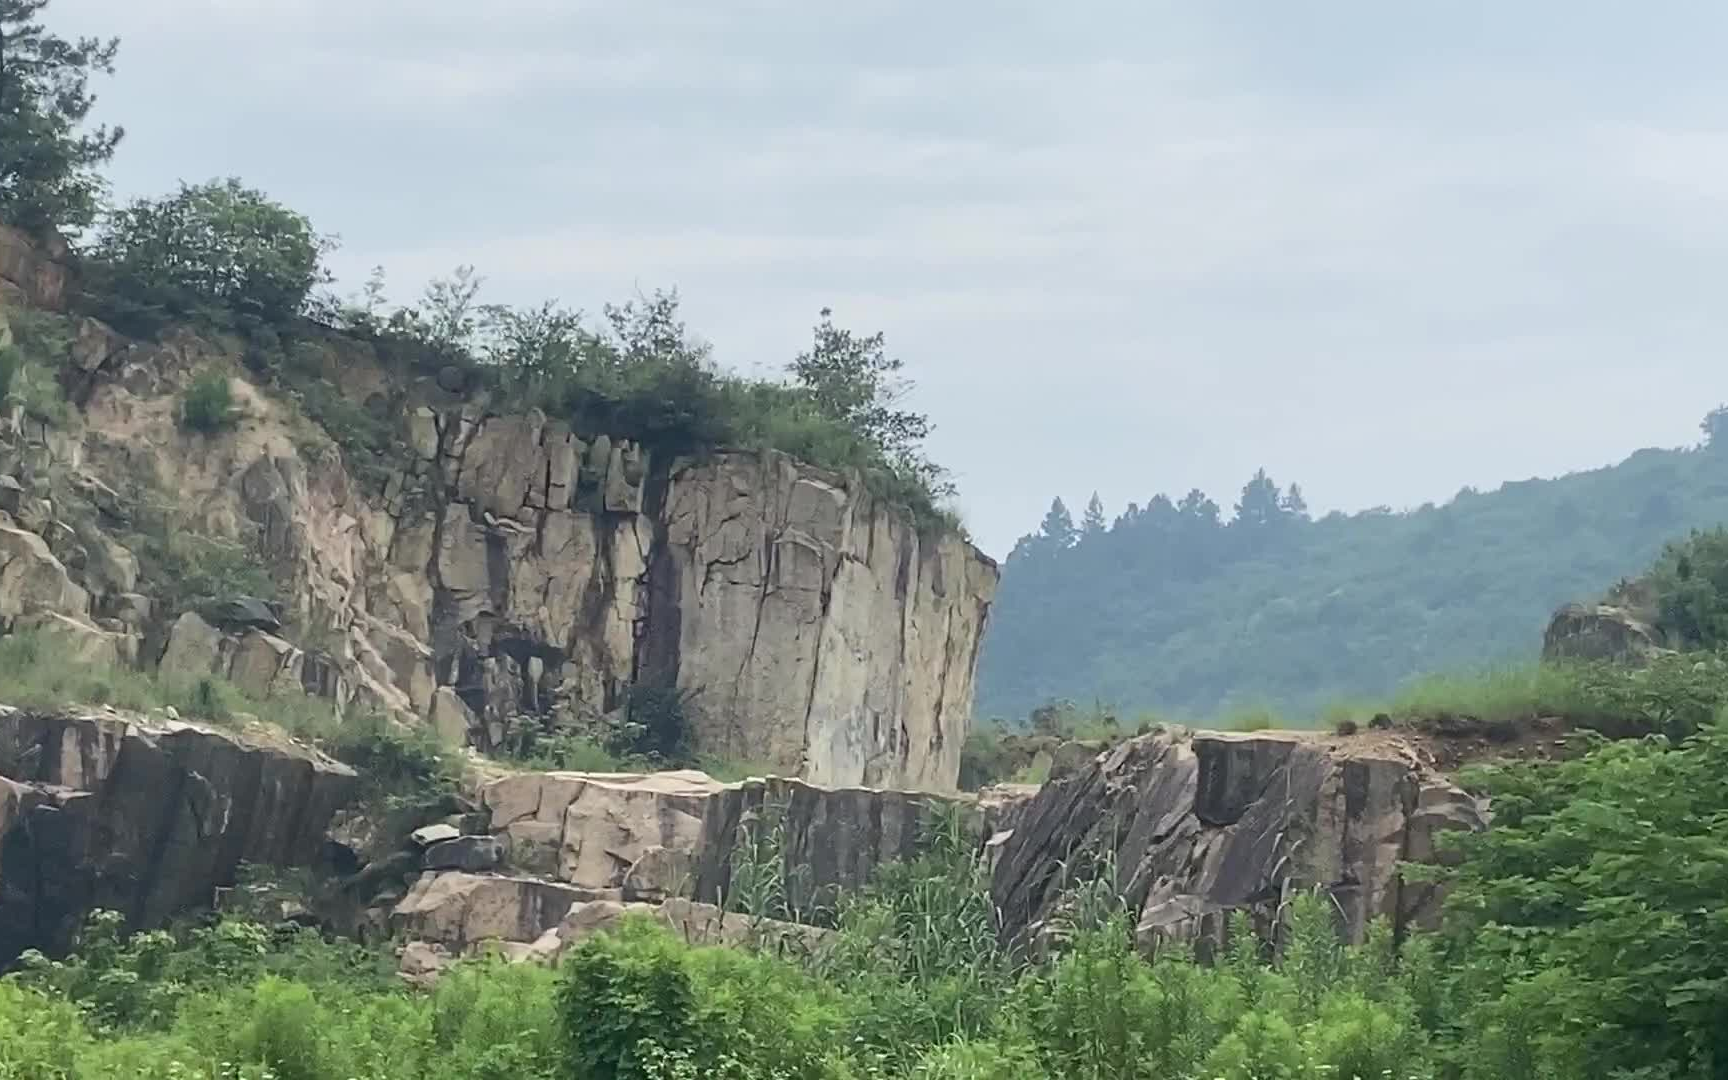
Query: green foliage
[[35, 673], [637, 372], [48, 159], [1588, 929], [621, 994], [207, 406], [1175, 610], [1690, 582], [29, 368], [219, 250]]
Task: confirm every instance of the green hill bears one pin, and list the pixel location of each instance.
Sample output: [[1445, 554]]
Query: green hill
[[1181, 609]]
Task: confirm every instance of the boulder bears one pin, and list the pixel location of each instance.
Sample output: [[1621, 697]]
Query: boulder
[[195, 648], [1199, 825], [263, 665], [1602, 632], [81, 641], [243, 613], [457, 909], [473, 854], [32, 579], [428, 835], [450, 717]]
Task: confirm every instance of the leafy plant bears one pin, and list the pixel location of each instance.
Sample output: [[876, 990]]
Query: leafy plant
[[207, 406], [219, 248]]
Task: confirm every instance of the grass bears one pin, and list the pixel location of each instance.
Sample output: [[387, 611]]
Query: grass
[[34, 674]]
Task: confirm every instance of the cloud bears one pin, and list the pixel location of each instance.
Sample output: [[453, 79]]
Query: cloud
[[1131, 247]]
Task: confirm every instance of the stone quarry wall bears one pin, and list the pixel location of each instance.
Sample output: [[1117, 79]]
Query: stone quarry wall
[[496, 566], [144, 816], [1200, 825]]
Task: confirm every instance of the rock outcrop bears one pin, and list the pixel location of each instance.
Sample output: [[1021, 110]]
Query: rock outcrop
[[495, 570], [1198, 825], [144, 816], [1602, 632], [650, 836]]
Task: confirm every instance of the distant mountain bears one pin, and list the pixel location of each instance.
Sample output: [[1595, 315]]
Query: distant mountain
[[1183, 609]]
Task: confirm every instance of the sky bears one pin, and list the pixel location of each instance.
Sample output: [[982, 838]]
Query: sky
[[1131, 246]]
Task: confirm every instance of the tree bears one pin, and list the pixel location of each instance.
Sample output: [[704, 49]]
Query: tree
[[1715, 428], [1261, 502], [48, 163], [1093, 523], [853, 380], [1294, 504], [219, 244], [1058, 525], [1196, 506]]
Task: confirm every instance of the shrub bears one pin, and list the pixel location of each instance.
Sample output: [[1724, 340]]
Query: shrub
[[1690, 581], [622, 994], [218, 248], [208, 404]]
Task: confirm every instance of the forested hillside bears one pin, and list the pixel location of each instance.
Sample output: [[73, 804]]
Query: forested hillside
[[1190, 609]]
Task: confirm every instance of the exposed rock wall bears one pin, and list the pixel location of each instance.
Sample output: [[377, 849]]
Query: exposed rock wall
[[1203, 824], [678, 833], [146, 817], [499, 566]]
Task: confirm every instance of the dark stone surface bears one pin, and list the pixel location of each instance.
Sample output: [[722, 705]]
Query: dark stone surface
[[106, 811]]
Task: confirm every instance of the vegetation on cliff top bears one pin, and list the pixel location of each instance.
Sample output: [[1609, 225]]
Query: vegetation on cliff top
[[1185, 610], [225, 256]]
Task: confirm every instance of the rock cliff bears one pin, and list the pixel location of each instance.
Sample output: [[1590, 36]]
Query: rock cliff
[[145, 816], [1198, 825], [488, 570]]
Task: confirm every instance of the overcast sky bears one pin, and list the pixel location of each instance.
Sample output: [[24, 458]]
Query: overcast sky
[[1383, 249]]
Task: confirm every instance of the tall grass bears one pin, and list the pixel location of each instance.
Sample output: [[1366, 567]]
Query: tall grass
[[36, 674]]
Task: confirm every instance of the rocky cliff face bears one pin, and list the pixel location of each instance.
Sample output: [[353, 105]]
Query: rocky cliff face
[[1198, 825], [493, 567], [144, 816]]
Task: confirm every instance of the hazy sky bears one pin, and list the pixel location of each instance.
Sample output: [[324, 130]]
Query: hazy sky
[[1384, 249]]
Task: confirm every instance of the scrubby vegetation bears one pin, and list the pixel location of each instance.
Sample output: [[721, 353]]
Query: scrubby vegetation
[[1192, 610]]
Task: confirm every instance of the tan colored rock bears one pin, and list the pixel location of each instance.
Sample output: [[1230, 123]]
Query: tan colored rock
[[1205, 824], [659, 873], [422, 962], [80, 641], [820, 631], [458, 910], [112, 568], [263, 665], [195, 648], [609, 826], [29, 272], [32, 579], [1602, 632], [93, 344], [450, 717]]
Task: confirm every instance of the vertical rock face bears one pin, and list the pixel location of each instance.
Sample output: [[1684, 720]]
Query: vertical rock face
[[144, 817], [781, 592], [495, 565], [1198, 825]]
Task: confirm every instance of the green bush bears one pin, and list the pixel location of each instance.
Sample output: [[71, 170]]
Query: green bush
[[623, 995], [1691, 586], [216, 249], [207, 406]]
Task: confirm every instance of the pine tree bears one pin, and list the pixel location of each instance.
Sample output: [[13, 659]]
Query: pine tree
[[1261, 503], [48, 165], [1058, 525], [1093, 523], [1294, 504]]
